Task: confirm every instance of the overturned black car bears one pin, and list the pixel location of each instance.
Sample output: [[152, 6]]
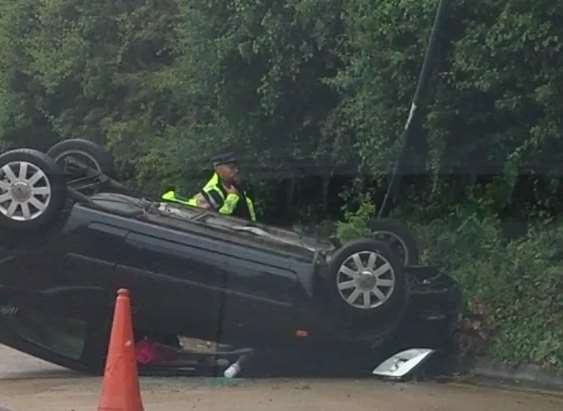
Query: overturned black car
[[70, 236]]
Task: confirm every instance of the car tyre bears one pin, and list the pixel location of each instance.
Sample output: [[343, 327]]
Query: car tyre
[[32, 190], [87, 152], [399, 239]]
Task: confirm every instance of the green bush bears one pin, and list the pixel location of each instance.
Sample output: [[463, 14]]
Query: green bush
[[519, 282], [355, 224]]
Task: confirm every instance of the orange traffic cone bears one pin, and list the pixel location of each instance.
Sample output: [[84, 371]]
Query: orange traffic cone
[[120, 389]]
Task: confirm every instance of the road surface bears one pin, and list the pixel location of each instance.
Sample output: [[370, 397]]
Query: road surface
[[27, 384]]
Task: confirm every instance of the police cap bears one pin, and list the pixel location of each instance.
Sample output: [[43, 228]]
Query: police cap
[[224, 158]]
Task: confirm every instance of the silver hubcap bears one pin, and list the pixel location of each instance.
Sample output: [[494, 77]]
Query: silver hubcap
[[365, 280], [25, 191]]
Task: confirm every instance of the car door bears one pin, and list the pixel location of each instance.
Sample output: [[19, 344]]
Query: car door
[[203, 281]]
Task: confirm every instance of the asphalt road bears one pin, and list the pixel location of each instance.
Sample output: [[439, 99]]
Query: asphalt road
[[27, 384]]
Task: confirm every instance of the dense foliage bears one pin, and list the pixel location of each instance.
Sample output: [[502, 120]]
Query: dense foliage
[[315, 94]]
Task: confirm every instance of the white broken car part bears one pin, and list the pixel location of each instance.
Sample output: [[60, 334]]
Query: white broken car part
[[401, 364]]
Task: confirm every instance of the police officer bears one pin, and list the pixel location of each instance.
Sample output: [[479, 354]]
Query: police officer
[[223, 192]]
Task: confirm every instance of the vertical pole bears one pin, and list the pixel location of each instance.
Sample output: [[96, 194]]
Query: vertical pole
[[420, 90]]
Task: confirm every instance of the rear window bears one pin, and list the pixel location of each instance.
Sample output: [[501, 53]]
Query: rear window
[[62, 336]]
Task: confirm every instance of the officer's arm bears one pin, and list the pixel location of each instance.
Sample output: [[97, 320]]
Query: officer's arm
[[230, 204], [251, 209], [171, 196], [213, 197]]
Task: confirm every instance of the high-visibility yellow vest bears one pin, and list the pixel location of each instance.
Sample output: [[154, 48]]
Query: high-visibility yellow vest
[[225, 203]]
